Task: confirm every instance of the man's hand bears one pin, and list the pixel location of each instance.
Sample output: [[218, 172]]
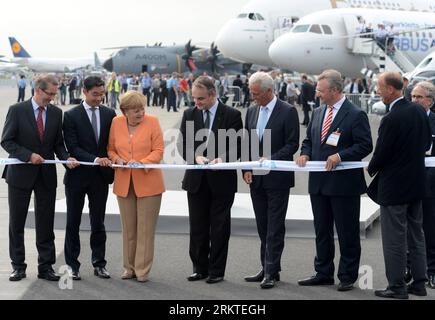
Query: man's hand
[[247, 176], [104, 162], [36, 159], [73, 163], [217, 160], [133, 162], [332, 161], [120, 161], [202, 160], [302, 160]]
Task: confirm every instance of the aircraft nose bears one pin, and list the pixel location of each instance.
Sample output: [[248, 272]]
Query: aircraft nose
[[280, 50], [226, 39], [108, 64]]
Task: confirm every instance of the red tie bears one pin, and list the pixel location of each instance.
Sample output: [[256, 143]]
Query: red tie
[[327, 124], [40, 123]]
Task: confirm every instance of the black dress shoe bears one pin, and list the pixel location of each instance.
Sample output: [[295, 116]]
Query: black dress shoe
[[345, 286], [197, 276], [431, 281], [256, 277], [388, 293], [408, 276], [76, 275], [49, 275], [316, 281], [268, 282], [17, 275], [101, 272], [213, 279], [421, 292]]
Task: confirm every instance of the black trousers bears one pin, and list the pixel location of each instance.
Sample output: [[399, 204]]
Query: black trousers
[[210, 228], [172, 100], [97, 192], [344, 212], [429, 233], [270, 208], [44, 201], [147, 92], [306, 109], [21, 94]]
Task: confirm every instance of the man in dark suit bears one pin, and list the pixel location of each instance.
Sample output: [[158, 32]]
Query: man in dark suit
[[33, 133], [210, 193], [399, 165], [272, 129], [339, 131], [86, 129], [423, 94], [307, 96]]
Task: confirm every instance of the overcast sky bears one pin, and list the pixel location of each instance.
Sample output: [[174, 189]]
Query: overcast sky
[[76, 28]]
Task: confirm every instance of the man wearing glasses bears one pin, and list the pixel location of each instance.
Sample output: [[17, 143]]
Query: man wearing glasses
[[33, 133]]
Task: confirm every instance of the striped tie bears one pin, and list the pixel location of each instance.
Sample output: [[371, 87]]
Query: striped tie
[[327, 124]]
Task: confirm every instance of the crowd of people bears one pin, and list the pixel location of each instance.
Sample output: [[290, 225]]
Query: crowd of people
[[337, 131]]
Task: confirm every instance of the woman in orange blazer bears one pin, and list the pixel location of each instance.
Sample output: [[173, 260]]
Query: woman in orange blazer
[[136, 138]]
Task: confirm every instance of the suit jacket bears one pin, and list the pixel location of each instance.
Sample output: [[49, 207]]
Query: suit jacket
[[220, 181], [398, 161], [308, 93], [430, 172], [81, 144], [145, 146], [355, 143], [284, 128], [20, 139]]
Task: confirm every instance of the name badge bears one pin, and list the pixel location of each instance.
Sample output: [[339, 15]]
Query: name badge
[[333, 139]]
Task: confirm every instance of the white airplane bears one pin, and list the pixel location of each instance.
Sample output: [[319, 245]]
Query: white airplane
[[248, 36], [425, 69], [11, 67], [328, 39], [22, 57]]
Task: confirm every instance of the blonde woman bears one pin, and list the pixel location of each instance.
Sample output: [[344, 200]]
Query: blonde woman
[[136, 138]]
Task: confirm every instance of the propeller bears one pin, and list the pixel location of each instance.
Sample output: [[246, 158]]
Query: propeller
[[187, 56], [212, 58]]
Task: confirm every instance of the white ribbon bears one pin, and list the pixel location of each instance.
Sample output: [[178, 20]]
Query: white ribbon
[[266, 165]]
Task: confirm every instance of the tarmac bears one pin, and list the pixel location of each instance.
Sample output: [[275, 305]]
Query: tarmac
[[172, 263]]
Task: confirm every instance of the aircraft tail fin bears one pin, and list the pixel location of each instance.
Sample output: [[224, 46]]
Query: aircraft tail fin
[[17, 49], [97, 61]]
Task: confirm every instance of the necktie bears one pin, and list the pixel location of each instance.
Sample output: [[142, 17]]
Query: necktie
[[40, 123], [327, 124], [262, 121], [207, 119], [94, 123]]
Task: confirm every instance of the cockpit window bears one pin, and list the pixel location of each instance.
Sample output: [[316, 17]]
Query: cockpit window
[[301, 28], [252, 16], [315, 28], [242, 15], [326, 29], [259, 17]]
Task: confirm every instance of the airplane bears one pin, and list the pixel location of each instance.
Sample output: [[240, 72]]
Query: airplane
[[425, 69], [22, 57], [328, 39], [11, 67], [247, 37], [177, 58]]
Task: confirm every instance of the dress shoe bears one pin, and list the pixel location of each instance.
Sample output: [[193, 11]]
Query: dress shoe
[[213, 279], [128, 275], [316, 281], [101, 272], [431, 281], [421, 292], [17, 275], [197, 276], [256, 277], [345, 286], [408, 276], [49, 275], [388, 293], [142, 279], [76, 275], [268, 282]]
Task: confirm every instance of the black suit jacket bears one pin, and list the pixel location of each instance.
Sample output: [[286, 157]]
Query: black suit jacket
[[430, 172], [354, 144], [398, 161], [81, 144], [220, 181], [308, 93], [284, 129], [20, 139]]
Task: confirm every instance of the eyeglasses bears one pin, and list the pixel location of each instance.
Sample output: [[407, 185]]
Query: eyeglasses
[[50, 94], [419, 97]]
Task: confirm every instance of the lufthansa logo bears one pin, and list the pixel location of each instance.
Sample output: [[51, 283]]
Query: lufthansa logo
[[16, 48]]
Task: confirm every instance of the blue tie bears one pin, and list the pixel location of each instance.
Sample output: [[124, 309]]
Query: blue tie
[[262, 121]]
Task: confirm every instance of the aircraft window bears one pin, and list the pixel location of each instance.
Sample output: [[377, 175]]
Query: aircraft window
[[301, 28], [426, 74], [242, 15], [425, 63], [252, 16], [326, 29], [260, 17], [315, 28]]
